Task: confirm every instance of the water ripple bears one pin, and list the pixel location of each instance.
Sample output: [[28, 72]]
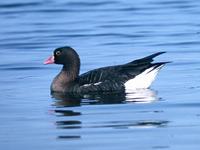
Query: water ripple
[[20, 5], [89, 4], [20, 66]]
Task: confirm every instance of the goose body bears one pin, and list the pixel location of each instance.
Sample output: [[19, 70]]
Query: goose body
[[136, 74]]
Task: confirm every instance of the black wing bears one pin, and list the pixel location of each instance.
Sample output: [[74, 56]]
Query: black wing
[[119, 73]]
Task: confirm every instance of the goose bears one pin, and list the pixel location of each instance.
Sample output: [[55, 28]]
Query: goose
[[137, 74]]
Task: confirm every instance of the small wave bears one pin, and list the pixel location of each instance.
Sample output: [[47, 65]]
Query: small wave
[[92, 3], [12, 67], [19, 5]]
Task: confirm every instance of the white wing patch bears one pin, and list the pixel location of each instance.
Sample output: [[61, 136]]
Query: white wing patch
[[143, 80], [86, 85]]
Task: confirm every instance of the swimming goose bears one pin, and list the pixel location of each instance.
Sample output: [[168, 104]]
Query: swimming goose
[[124, 78]]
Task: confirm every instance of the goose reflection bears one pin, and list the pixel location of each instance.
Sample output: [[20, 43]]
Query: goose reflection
[[64, 120], [141, 96], [136, 96], [68, 117]]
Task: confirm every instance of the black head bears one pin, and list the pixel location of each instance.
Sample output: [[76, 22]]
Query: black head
[[65, 56]]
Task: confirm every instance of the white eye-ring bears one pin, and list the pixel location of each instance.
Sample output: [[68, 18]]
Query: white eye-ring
[[58, 53]]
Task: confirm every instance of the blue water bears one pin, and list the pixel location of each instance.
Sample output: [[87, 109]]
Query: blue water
[[103, 33]]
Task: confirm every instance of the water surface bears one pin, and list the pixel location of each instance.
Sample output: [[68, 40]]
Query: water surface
[[167, 116]]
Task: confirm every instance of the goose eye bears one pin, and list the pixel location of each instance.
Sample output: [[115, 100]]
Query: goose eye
[[58, 53]]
